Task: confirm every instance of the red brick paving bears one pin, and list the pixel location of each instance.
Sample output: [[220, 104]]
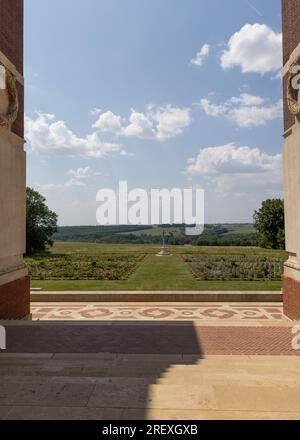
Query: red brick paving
[[150, 338], [247, 341]]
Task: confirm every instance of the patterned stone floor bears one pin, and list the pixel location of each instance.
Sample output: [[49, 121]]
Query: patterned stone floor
[[157, 312]]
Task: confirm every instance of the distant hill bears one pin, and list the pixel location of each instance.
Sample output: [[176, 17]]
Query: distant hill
[[213, 235]]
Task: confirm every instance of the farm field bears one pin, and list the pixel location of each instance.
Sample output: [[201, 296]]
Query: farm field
[[177, 231], [240, 234], [76, 266]]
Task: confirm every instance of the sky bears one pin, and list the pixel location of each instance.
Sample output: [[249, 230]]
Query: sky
[[162, 94]]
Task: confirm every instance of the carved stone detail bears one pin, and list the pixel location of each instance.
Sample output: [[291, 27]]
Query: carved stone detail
[[6, 120], [293, 93]]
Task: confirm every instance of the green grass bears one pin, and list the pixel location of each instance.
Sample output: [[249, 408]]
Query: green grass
[[239, 229], [71, 247], [157, 273], [61, 247]]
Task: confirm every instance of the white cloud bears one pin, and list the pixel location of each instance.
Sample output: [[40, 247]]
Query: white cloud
[[214, 110], [80, 173], [171, 121], [247, 99], [109, 122], [228, 159], [256, 116], [255, 48], [141, 126], [245, 110], [79, 177], [96, 111], [46, 135], [229, 169], [158, 123], [201, 55]]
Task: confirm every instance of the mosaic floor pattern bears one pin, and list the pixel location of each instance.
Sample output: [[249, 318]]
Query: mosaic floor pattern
[[155, 312]]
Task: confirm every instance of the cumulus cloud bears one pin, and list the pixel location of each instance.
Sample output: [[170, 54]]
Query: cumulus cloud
[[256, 116], [79, 177], [254, 48], [215, 110], [158, 123], [237, 170], [228, 159], [245, 110], [247, 99], [171, 121], [80, 173], [201, 55], [109, 122], [141, 126], [46, 135]]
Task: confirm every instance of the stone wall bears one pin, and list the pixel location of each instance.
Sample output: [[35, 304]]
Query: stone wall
[[11, 31], [291, 160], [14, 281], [291, 40], [291, 27], [11, 50]]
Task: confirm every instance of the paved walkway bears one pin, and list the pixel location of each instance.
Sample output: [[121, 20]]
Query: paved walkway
[[141, 337], [124, 387], [157, 312], [165, 361]]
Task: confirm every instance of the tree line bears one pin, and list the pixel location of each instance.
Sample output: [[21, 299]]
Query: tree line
[[42, 224]]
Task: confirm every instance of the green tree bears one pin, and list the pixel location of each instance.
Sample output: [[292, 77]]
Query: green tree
[[41, 223], [269, 224]]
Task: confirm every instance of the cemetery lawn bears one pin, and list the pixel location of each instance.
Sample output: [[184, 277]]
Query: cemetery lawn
[[153, 273]]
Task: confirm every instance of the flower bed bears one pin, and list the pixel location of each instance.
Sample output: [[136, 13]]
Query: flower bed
[[83, 267], [235, 267]]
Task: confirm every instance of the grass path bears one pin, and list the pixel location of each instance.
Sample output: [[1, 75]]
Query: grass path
[[158, 274]]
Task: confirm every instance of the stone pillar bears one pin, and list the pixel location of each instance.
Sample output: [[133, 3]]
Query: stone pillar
[[14, 280], [291, 156]]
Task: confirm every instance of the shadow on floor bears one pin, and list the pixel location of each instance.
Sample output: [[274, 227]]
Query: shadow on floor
[[94, 370]]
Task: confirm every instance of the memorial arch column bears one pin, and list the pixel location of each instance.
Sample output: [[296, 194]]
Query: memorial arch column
[[14, 280], [291, 155]]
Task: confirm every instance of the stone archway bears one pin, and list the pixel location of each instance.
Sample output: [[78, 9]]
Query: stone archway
[[291, 155], [14, 280]]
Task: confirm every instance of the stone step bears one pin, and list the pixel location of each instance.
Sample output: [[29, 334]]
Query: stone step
[[138, 387], [204, 379], [152, 361], [150, 297], [219, 397], [166, 414], [241, 397], [258, 369], [85, 413]]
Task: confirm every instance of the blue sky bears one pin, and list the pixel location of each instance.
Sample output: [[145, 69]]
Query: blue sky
[[161, 93]]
